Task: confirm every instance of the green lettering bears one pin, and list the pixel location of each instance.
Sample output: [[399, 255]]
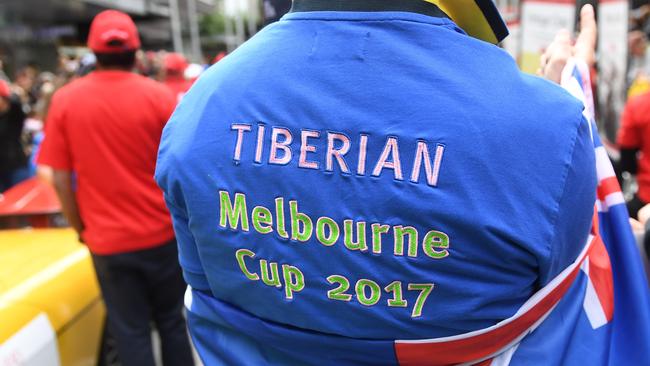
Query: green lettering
[[279, 214], [240, 254], [262, 220], [375, 292], [399, 233], [333, 229], [299, 219], [339, 292], [239, 213], [377, 230], [272, 278], [436, 239], [425, 289], [360, 244], [294, 280], [398, 299]]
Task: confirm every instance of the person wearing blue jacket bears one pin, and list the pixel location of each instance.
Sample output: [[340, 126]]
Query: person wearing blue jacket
[[375, 182]]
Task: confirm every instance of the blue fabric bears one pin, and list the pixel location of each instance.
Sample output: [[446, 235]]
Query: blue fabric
[[36, 147], [247, 336], [630, 341], [514, 195]]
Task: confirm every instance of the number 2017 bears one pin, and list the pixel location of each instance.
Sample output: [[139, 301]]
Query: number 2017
[[365, 286]]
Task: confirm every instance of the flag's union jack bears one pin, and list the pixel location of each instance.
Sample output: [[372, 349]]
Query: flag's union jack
[[611, 245]]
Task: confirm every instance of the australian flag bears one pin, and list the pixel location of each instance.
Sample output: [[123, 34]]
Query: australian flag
[[611, 325], [596, 312]]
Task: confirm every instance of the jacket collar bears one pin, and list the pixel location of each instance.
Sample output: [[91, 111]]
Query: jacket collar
[[414, 6], [478, 18]]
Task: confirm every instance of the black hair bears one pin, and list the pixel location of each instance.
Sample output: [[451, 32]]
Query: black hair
[[119, 60]]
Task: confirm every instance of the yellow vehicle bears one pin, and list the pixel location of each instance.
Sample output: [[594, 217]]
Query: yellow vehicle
[[51, 310]]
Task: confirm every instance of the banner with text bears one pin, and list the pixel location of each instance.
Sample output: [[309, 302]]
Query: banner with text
[[540, 21]]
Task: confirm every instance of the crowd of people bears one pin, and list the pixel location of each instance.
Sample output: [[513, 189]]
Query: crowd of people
[[25, 99]]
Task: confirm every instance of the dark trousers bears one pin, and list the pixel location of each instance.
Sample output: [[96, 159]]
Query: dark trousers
[[141, 288]]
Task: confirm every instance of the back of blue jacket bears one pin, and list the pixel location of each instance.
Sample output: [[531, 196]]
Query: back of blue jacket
[[345, 179]]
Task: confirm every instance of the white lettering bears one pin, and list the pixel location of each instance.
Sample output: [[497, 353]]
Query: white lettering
[[305, 148], [337, 153], [391, 148], [280, 145], [240, 137]]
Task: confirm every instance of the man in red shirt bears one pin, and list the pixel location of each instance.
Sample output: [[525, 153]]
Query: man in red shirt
[[634, 137], [105, 128], [175, 65]]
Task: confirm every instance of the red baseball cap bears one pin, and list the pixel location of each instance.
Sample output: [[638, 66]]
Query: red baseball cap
[[219, 57], [4, 89], [175, 62], [113, 31]]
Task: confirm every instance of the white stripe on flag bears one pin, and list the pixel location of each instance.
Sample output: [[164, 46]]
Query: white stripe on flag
[[603, 166], [615, 198], [504, 358], [612, 199], [574, 88], [591, 303]]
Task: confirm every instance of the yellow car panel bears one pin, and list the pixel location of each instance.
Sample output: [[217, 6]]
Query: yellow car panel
[[78, 347], [48, 271]]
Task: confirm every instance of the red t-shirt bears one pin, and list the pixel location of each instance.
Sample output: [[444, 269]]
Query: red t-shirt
[[106, 128], [178, 85], [635, 134]]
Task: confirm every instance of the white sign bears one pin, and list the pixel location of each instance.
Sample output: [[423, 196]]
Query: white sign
[[512, 43], [33, 345], [540, 22]]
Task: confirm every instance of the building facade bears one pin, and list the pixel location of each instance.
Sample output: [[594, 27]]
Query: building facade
[[32, 31]]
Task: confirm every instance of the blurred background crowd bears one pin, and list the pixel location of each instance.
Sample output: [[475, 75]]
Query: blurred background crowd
[[31, 87], [43, 47]]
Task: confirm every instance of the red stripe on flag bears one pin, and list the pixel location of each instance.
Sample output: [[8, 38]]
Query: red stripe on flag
[[477, 347], [607, 186]]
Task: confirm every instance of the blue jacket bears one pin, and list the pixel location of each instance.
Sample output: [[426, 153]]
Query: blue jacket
[[345, 179]]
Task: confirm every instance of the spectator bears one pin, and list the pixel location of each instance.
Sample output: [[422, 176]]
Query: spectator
[[25, 83], [105, 127], [174, 66], [3, 75], [637, 75], [634, 142], [13, 160]]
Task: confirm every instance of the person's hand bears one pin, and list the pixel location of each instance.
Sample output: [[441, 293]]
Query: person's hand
[[556, 56], [644, 214], [637, 227], [561, 49], [585, 47]]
